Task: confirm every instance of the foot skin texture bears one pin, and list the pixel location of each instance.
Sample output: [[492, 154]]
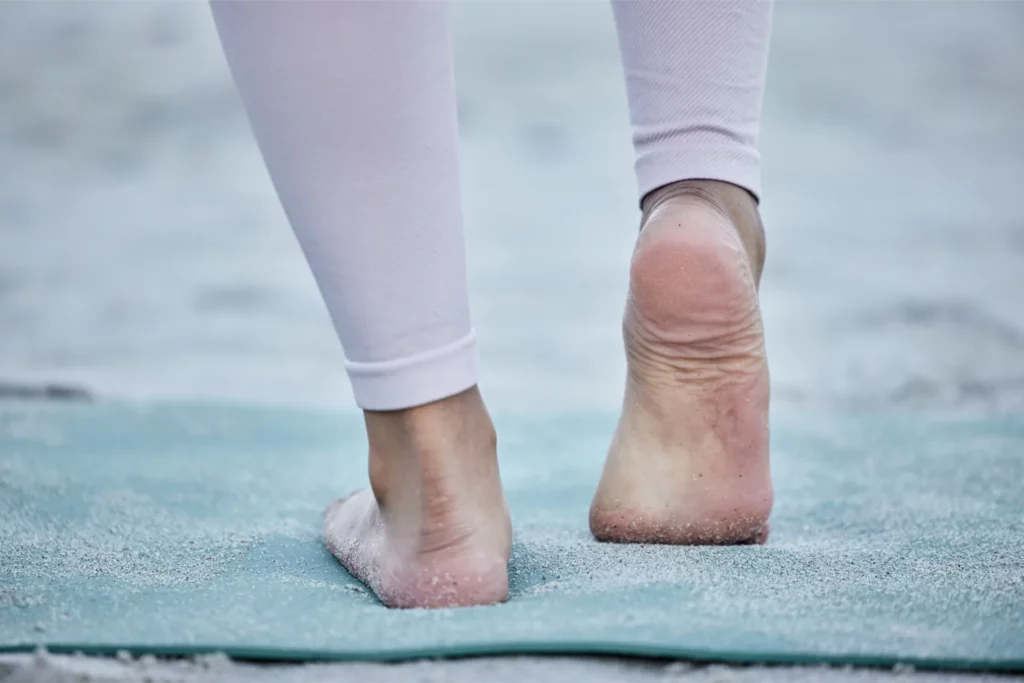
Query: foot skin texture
[[689, 460], [433, 530]]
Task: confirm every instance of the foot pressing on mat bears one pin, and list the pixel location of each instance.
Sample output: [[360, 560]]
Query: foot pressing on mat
[[689, 460], [433, 530]]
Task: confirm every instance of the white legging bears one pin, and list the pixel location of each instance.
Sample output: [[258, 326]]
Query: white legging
[[353, 106]]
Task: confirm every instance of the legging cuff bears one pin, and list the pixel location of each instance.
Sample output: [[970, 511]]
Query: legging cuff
[[418, 379], [669, 163]]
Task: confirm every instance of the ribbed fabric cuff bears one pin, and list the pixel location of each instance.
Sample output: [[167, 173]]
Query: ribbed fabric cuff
[[415, 380], [666, 164]]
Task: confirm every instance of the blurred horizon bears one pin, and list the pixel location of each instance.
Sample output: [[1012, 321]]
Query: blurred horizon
[[143, 253]]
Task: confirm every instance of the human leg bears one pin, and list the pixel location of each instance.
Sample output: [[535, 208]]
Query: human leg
[[689, 460], [353, 106]]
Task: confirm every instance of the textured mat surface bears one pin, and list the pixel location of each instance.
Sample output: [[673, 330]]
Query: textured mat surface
[[182, 529]]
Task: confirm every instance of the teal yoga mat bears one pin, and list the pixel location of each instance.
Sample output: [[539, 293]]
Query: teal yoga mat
[[185, 529]]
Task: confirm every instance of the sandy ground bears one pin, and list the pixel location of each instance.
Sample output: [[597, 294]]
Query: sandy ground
[[143, 254], [43, 667]]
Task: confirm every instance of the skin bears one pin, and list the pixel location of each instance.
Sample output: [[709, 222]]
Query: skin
[[688, 463], [689, 460], [433, 529]]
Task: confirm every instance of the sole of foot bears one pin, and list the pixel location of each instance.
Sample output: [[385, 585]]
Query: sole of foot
[[689, 461], [433, 530]]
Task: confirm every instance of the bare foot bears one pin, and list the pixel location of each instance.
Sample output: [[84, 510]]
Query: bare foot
[[433, 530], [689, 460]]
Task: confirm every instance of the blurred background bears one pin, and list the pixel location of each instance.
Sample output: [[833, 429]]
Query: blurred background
[[143, 253]]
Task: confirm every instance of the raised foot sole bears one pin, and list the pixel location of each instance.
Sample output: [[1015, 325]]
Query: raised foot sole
[[689, 461]]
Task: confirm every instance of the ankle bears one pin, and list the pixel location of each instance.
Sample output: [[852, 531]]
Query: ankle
[[450, 425], [446, 444], [732, 202]]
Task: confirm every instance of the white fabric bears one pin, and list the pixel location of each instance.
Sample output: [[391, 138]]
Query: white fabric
[[353, 106]]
